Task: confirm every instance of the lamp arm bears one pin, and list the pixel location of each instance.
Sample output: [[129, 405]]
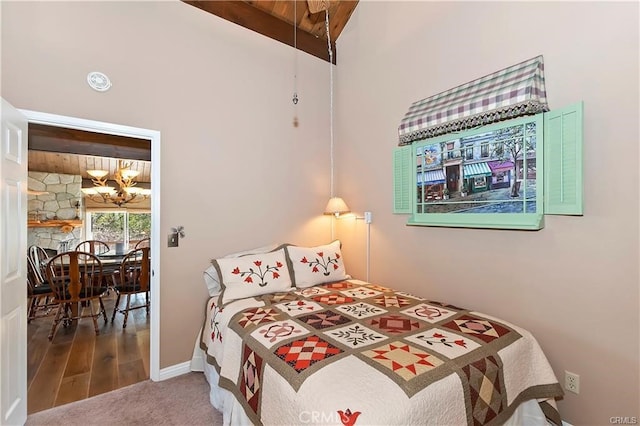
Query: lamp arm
[[99, 181], [124, 182], [368, 216]]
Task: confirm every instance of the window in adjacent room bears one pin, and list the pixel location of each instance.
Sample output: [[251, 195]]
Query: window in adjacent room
[[118, 226]]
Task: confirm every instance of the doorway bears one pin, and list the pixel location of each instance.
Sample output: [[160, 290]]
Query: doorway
[[453, 173], [78, 357]]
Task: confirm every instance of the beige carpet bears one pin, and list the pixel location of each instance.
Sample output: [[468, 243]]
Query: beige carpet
[[182, 400]]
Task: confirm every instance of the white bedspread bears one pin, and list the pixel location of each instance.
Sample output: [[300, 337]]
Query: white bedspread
[[279, 369], [527, 413]]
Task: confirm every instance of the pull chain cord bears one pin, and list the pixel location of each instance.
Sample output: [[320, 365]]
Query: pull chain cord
[[295, 62], [326, 21]]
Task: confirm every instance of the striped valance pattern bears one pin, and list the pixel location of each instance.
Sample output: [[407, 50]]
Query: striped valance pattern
[[476, 169], [431, 176], [512, 92]]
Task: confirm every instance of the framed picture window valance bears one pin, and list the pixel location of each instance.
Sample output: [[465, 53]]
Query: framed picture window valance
[[512, 92]]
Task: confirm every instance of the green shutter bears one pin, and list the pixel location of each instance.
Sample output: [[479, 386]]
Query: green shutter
[[402, 179], [563, 161]]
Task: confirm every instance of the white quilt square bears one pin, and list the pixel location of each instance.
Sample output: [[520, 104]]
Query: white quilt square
[[273, 333], [429, 313], [360, 292], [355, 335], [449, 344], [312, 291], [360, 310]]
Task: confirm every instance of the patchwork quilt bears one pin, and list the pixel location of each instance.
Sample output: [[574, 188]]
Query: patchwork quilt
[[356, 353]]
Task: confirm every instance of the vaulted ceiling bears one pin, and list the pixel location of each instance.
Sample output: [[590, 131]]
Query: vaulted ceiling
[[69, 151], [275, 19]]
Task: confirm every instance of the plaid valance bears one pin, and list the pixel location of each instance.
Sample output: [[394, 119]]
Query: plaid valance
[[512, 92]]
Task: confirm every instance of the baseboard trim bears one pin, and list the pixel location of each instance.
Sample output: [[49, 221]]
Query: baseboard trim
[[197, 362], [175, 370]]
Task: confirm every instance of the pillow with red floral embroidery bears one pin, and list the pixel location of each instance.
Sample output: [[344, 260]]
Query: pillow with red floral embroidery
[[253, 275], [316, 265], [211, 277]]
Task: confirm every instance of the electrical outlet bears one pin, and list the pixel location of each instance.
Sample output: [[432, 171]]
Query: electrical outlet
[[572, 382], [173, 240]]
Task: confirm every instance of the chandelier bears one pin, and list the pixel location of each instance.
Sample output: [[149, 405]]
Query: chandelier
[[127, 191]]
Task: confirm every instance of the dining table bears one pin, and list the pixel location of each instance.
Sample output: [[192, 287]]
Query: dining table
[[111, 261]]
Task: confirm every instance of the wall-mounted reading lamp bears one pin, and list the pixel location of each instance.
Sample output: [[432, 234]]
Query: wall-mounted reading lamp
[[337, 207]]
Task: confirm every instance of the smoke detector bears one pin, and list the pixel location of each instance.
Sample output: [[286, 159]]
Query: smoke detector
[[98, 81]]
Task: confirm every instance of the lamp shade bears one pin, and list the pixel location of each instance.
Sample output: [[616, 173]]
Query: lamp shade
[[98, 174], [336, 206], [89, 191], [129, 174]]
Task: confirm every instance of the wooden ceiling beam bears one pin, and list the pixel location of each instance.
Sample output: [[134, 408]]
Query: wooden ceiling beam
[[245, 15], [73, 141]]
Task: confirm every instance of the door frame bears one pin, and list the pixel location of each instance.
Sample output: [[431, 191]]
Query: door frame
[[134, 132]]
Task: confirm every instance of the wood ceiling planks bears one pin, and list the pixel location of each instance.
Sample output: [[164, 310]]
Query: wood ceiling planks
[[69, 151], [275, 20], [74, 164]]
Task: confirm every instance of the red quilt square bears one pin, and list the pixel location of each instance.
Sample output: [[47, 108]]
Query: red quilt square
[[479, 327], [303, 353]]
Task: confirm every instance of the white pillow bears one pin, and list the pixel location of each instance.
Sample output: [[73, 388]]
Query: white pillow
[[257, 250], [212, 281], [210, 274], [316, 265], [253, 275]]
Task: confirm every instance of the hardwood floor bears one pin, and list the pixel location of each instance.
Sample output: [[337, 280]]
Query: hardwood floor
[[77, 364]]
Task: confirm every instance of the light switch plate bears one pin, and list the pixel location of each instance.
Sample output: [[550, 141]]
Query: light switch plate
[[173, 240]]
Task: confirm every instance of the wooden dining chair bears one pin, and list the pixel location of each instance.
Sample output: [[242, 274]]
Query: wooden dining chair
[[145, 242], [39, 257], [77, 283], [132, 278], [40, 297], [93, 246]]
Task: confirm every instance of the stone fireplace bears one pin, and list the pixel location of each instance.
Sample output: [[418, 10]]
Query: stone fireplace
[[54, 220]]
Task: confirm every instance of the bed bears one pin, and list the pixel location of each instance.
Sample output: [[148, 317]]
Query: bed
[[356, 353]]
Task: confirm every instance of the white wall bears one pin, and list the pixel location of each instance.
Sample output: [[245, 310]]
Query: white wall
[[574, 284], [235, 172], [221, 97]]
